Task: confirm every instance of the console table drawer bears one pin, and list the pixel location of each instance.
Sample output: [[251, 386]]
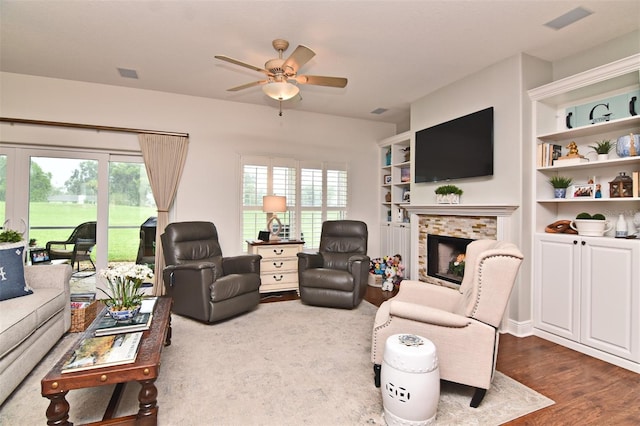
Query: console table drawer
[[278, 251], [279, 265], [279, 278]]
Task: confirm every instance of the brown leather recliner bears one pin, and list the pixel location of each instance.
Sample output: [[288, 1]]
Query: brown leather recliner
[[205, 285], [337, 275]]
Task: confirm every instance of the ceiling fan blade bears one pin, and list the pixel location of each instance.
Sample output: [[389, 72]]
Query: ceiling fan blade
[[242, 64], [246, 86], [298, 58], [320, 80]]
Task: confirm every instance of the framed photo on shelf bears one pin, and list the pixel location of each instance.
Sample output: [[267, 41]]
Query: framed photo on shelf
[[387, 179], [405, 174], [587, 190]]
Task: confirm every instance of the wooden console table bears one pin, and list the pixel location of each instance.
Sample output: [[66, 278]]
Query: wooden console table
[[279, 264], [144, 370]]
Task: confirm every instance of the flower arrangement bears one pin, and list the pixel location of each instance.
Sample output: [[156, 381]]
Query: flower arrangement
[[124, 283], [379, 265], [456, 266]]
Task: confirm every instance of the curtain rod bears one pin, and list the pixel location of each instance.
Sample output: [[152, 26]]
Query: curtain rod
[[90, 126]]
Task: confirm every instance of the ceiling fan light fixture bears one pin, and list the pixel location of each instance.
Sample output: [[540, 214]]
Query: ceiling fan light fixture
[[280, 90]]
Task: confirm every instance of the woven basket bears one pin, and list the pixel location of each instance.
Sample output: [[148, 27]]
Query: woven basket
[[82, 317]]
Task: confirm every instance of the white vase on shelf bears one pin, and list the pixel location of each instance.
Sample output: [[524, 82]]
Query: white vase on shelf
[[621, 227]]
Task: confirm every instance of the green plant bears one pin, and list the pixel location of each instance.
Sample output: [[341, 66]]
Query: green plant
[[603, 147], [10, 236], [596, 216], [560, 181], [123, 285], [448, 189]]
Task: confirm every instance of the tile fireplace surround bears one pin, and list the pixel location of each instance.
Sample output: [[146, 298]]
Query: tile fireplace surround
[[455, 220]]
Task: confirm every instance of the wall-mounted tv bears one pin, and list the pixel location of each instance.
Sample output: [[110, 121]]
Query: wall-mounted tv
[[459, 148]]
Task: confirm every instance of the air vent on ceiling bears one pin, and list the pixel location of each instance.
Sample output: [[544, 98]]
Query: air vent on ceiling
[[379, 111], [568, 18], [127, 73]]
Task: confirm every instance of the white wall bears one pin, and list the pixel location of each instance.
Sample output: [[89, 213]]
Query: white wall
[[496, 86], [503, 86], [500, 86], [610, 51], [220, 132]]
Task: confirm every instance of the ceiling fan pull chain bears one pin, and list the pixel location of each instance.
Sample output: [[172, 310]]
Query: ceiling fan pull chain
[[280, 113]]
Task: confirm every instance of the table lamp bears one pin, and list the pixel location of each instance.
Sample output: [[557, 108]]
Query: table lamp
[[272, 204]]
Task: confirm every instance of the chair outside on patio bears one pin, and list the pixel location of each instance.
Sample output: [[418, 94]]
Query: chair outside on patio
[[77, 247]]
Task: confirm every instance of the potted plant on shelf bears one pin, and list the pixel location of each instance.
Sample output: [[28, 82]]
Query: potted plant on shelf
[[590, 225], [603, 148], [448, 194], [560, 185], [124, 294]]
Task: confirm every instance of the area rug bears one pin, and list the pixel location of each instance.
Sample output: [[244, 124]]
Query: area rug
[[284, 363]]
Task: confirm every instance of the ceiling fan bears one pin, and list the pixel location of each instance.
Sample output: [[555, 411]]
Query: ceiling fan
[[283, 73]]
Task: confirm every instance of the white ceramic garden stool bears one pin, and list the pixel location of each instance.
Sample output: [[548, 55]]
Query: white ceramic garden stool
[[410, 380]]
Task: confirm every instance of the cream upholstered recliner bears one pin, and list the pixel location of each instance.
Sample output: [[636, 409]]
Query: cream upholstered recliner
[[462, 323]]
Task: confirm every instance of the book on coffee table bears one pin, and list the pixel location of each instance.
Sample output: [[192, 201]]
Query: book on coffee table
[[108, 325], [103, 351]]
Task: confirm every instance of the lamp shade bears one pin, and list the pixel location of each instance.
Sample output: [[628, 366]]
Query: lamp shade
[[274, 203], [280, 90]]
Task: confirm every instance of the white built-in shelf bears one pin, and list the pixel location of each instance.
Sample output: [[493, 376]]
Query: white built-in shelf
[[588, 200], [608, 126], [619, 161]]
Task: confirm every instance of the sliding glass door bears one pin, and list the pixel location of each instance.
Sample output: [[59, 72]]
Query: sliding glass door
[[48, 193]]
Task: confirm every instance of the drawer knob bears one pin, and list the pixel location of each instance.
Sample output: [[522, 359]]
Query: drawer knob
[[278, 265], [278, 252], [278, 279]]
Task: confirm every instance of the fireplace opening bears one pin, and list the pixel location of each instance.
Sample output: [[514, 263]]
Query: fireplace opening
[[445, 257]]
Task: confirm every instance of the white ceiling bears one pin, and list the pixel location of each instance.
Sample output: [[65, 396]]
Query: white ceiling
[[392, 52]]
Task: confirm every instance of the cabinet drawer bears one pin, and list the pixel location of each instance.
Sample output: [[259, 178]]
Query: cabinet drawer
[[277, 251], [279, 278], [279, 265]]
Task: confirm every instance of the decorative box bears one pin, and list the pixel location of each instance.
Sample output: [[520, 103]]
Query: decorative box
[[375, 280]]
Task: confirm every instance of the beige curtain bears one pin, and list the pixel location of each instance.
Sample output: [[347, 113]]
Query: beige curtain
[[164, 158]]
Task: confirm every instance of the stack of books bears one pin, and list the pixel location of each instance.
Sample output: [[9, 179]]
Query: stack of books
[[547, 154]]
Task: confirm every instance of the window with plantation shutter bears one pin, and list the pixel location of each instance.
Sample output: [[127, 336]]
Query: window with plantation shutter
[[315, 192]]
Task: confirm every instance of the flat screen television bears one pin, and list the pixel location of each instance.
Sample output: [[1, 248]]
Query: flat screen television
[[460, 148]]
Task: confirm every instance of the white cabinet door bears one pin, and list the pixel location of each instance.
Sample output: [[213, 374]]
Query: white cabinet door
[[386, 244], [610, 319], [557, 285]]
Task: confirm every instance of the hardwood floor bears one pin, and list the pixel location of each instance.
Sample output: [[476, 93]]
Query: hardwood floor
[[586, 391]]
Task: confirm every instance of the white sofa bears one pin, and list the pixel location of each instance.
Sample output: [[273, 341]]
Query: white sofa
[[31, 325]]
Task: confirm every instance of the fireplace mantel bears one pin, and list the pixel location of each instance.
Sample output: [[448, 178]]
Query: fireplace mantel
[[501, 214], [463, 209]]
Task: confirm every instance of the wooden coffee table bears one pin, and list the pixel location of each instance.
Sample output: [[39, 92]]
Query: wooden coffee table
[[144, 370]]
